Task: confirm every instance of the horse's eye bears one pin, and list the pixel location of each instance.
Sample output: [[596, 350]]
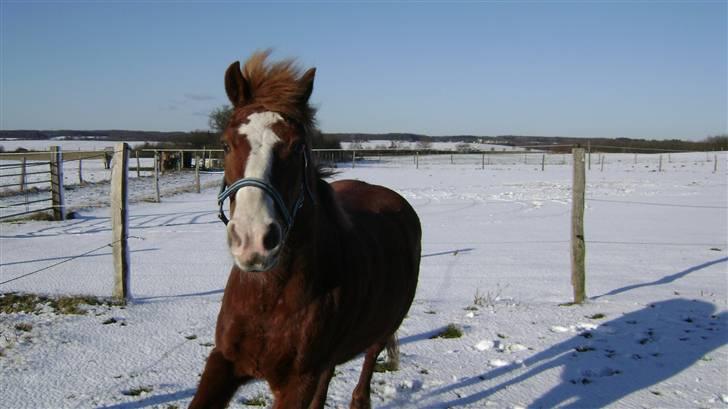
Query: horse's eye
[[225, 147]]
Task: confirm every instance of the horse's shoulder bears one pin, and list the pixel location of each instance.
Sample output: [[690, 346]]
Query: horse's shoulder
[[355, 195]]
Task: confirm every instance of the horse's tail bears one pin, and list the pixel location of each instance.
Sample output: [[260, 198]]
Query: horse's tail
[[392, 353]]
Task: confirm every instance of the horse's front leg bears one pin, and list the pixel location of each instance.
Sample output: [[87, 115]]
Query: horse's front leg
[[218, 383], [298, 392]]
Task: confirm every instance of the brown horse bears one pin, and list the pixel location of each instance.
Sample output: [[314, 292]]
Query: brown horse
[[322, 272]]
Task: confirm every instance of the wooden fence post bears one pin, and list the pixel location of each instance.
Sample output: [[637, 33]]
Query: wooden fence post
[[353, 159], [120, 220], [635, 158], [156, 176], [138, 166], [543, 162], [601, 166], [482, 161], [181, 159], [22, 174], [417, 160], [588, 149], [578, 247], [659, 169], [80, 171], [57, 183], [197, 172], [715, 163]]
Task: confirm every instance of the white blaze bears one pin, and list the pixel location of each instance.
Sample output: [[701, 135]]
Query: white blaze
[[254, 209]]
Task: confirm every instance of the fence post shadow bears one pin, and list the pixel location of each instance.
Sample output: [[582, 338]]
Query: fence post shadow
[[664, 280]]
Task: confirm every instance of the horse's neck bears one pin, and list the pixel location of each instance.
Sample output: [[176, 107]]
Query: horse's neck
[[317, 231]]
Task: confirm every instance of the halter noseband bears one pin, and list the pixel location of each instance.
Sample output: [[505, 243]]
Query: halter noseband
[[288, 217]]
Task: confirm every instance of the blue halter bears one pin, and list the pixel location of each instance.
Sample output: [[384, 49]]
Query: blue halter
[[288, 216]]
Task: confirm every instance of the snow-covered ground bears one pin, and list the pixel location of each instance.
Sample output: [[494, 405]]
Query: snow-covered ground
[[495, 263]]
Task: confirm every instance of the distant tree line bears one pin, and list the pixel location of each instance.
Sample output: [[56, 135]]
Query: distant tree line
[[219, 118]]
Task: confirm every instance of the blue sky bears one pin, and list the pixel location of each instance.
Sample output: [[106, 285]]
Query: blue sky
[[614, 69]]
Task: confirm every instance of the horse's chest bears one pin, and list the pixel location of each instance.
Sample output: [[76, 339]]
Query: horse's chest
[[270, 345]]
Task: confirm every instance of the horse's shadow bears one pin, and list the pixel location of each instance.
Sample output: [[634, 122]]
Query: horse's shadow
[[598, 367]]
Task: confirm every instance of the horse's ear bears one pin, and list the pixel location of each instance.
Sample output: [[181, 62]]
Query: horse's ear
[[307, 84], [237, 88]]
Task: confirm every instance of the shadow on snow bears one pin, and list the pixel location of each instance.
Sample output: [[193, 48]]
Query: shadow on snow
[[599, 367]]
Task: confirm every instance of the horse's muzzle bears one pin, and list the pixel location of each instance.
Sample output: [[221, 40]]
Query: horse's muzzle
[[254, 249]]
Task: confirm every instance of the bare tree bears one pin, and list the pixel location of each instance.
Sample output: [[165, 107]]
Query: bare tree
[[219, 118]]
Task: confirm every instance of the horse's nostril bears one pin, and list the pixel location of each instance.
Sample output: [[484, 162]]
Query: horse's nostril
[[272, 237]]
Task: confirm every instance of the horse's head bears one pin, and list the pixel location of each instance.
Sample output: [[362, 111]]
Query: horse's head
[[266, 157]]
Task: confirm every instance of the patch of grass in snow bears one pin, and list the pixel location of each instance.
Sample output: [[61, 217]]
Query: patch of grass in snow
[[72, 305], [41, 216], [12, 303], [257, 400], [479, 299], [451, 331], [137, 391], [24, 326], [596, 316], [385, 366], [487, 299]]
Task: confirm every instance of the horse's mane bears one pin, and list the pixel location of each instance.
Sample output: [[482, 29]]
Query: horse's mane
[[278, 87]]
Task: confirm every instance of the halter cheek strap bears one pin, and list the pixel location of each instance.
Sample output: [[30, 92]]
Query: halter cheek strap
[[270, 190]]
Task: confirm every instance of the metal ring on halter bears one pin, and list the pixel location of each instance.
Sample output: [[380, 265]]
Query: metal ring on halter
[[288, 217]]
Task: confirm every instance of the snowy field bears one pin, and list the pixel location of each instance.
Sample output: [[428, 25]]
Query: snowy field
[[653, 333]]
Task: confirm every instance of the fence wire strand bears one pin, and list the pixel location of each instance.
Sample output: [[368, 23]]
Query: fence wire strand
[[70, 258]]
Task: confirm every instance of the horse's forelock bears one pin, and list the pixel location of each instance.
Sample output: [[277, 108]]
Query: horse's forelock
[[280, 87]]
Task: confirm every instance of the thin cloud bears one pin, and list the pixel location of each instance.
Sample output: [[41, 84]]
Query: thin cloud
[[199, 97]]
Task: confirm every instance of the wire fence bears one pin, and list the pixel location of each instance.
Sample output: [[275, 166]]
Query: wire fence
[[180, 181], [24, 184]]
